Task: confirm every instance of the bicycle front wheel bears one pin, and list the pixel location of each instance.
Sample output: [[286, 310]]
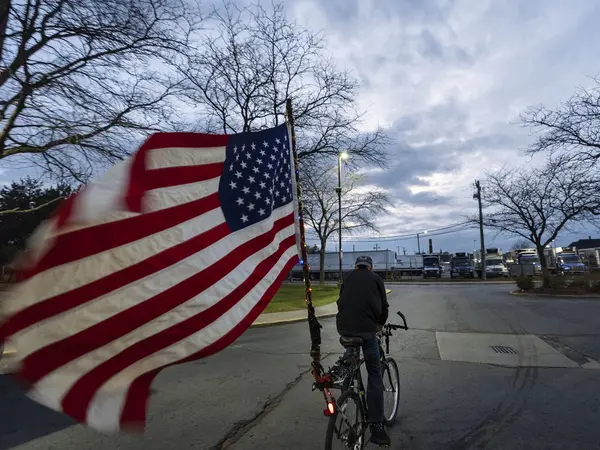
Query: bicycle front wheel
[[346, 428], [391, 391]]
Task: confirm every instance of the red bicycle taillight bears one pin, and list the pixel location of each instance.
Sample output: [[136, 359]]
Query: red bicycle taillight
[[330, 401], [330, 411]]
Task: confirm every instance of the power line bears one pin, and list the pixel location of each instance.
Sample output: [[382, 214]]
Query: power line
[[412, 236], [409, 235]]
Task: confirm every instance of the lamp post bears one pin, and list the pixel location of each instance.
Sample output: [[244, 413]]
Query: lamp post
[[419, 241], [341, 156]]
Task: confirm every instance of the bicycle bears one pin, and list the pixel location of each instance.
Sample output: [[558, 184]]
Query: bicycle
[[353, 390]]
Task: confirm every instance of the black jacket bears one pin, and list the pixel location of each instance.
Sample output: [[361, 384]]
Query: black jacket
[[363, 304]]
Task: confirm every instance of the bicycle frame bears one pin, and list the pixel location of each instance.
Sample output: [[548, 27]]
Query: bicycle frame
[[356, 380]]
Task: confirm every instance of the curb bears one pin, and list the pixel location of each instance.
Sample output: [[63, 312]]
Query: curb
[[296, 319], [518, 293]]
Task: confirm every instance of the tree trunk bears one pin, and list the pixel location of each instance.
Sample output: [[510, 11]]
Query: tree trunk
[[544, 264], [322, 264], [4, 12]]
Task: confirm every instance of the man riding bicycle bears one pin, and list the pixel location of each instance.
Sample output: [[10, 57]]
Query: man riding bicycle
[[362, 311]]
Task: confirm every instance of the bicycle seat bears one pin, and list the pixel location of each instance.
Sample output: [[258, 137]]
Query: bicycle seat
[[351, 341]]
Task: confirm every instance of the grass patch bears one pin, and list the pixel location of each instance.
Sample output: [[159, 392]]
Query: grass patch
[[290, 297]]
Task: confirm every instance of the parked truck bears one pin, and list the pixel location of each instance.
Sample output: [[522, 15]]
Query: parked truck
[[494, 263], [564, 261], [527, 263], [432, 266], [461, 265], [383, 262], [590, 257], [509, 259], [409, 265]]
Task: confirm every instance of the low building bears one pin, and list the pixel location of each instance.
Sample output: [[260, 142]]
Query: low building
[[589, 250]]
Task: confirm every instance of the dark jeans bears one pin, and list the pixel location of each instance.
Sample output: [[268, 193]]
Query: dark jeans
[[372, 357]]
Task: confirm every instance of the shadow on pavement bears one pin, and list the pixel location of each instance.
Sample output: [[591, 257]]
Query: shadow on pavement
[[23, 420]]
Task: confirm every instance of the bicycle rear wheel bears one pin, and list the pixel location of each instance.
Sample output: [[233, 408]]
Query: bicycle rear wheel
[[346, 427], [391, 390]]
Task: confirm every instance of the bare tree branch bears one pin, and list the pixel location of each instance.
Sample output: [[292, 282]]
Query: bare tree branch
[[521, 243], [84, 80], [537, 204], [573, 128], [360, 208], [4, 11], [253, 60]]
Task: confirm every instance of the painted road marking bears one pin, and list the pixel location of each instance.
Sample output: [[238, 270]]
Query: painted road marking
[[478, 348]]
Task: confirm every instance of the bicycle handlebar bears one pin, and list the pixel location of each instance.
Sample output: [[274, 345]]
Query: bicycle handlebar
[[387, 330], [393, 326], [403, 317]]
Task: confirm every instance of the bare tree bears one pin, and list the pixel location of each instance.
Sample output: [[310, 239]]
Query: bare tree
[[536, 204], [360, 207], [572, 129], [521, 243], [82, 81], [253, 60]]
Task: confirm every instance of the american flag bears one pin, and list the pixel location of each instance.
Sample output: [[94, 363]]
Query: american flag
[[168, 257]]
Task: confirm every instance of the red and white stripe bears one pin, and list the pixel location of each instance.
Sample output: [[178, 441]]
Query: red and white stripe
[[137, 272]]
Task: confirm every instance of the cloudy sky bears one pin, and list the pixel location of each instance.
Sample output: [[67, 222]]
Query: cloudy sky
[[449, 80]]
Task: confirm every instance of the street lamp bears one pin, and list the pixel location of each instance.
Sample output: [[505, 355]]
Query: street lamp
[[341, 156], [419, 241]]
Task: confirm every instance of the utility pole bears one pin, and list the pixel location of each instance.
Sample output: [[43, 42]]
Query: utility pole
[[376, 247], [477, 195]]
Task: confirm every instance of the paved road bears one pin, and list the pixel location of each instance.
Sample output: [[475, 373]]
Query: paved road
[[254, 394]]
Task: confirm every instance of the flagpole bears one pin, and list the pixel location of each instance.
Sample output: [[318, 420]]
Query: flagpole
[[313, 323]]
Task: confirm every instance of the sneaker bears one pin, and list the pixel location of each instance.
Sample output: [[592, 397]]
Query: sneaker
[[378, 435]]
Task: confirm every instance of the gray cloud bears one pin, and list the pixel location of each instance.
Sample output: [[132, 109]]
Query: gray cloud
[[339, 12], [448, 80], [408, 163], [430, 199]]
